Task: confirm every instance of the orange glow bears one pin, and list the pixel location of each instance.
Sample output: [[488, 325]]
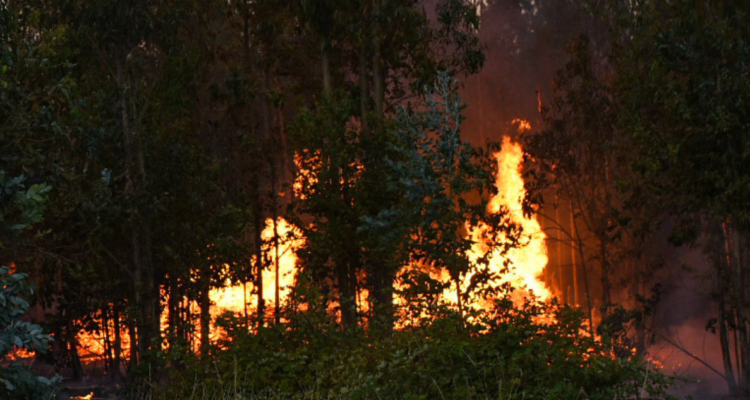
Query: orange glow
[[94, 344], [527, 262], [233, 298], [305, 177], [530, 259], [523, 125]]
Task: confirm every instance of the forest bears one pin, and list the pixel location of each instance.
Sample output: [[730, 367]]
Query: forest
[[374, 199]]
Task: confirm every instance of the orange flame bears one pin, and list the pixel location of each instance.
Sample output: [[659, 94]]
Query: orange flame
[[527, 262], [233, 298]]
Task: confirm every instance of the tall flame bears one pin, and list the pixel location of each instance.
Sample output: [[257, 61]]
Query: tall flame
[[530, 259]]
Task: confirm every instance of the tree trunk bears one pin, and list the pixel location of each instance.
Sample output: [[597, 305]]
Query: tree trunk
[[347, 300], [107, 341], [725, 273], [640, 327], [75, 360], [145, 301], [133, 333], [173, 308], [725, 350], [205, 318], [277, 290], [603, 253], [578, 243], [325, 66], [116, 360], [258, 243]]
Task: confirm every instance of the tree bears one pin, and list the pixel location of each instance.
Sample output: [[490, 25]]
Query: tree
[[443, 183], [684, 83], [368, 69]]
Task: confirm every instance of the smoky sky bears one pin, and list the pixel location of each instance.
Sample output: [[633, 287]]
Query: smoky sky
[[525, 43]]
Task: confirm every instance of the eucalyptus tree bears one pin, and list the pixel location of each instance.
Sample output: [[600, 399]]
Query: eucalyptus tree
[[684, 81], [444, 185], [366, 70]]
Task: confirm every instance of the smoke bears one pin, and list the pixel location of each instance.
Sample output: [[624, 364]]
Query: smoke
[[525, 44], [680, 321]]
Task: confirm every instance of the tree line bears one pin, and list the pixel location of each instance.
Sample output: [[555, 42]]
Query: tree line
[[170, 131]]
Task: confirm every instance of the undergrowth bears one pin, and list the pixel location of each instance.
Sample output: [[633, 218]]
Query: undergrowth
[[536, 352]]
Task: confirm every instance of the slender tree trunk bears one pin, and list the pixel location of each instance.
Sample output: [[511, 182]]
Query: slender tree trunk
[[604, 254], [107, 341], [270, 131], [258, 243], [640, 327], [743, 361], [347, 299], [277, 304], [574, 265], [378, 75], [145, 292], [325, 66], [116, 315], [725, 350], [173, 306], [579, 246], [75, 360], [559, 248], [205, 310], [725, 273], [134, 336]]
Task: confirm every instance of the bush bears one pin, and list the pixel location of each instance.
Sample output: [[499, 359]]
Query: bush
[[16, 381], [536, 352], [19, 208]]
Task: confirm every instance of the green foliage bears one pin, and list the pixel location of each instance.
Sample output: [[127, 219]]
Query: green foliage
[[19, 207], [442, 186], [685, 84], [16, 381], [534, 352]]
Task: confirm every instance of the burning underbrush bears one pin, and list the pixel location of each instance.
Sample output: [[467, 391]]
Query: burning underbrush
[[510, 341], [514, 269], [494, 331], [505, 353]]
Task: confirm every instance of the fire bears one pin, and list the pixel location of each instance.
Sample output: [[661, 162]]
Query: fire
[[234, 298], [305, 177], [529, 260], [523, 125]]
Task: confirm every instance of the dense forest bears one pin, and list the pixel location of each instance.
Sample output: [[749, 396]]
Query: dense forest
[[374, 199]]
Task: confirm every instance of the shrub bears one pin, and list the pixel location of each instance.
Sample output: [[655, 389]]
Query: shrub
[[539, 351]]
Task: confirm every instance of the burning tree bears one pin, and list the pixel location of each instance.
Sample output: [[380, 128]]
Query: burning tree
[[442, 215], [367, 70]]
